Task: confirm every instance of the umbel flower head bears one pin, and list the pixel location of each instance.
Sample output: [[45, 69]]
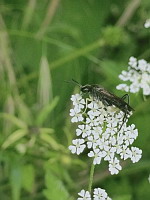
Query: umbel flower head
[[99, 131], [137, 75], [98, 194]]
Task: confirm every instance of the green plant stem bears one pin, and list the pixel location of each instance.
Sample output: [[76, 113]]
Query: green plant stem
[[77, 53], [83, 51], [91, 177]]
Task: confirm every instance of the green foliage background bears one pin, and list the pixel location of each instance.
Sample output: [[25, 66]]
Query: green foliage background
[[43, 43]]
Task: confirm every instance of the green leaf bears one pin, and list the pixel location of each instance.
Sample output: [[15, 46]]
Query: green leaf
[[14, 137], [50, 140], [14, 120], [15, 181], [55, 187], [24, 112], [28, 177]]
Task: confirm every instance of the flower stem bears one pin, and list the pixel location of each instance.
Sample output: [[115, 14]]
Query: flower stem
[[91, 177]]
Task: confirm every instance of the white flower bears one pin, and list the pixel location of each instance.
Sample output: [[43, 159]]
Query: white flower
[[123, 87], [100, 118], [114, 166], [97, 154], [124, 76], [97, 131], [120, 138], [109, 153], [142, 65], [99, 127], [93, 109], [112, 141], [118, 148], [99, 194], [84, 195], [92, 141], [130, 130], [84, 130], [133, 62], [119, 116], [78, 146], [92, 121], [78, 101], [125, 152], [77, 116], [111, 128], [106, 135], [103, 143], [138, 76], [146, 90], [108, 198], [135, 87], [148, 67], [136, 154], [128, 138], [147, 23]]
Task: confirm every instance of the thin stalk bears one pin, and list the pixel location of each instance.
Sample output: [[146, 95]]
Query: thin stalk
[[91, 177], [83, 51], [77, 53], [51, 11]]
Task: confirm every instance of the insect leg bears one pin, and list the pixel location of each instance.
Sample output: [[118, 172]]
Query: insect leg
[[124, 119], [126, 96], [86, 104]]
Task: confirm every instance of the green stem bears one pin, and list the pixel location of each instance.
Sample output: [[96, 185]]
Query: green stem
[[77, 53], [83, 51], [91, 177]]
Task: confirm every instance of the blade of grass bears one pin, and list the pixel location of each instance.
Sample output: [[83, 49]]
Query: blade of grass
[[51, 10]]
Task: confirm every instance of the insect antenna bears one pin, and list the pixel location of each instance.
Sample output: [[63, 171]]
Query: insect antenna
[[74, 82]]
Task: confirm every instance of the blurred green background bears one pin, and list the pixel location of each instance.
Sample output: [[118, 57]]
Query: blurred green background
[[42, 44]]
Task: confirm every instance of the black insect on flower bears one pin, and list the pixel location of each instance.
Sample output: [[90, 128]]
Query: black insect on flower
[[107, 98]]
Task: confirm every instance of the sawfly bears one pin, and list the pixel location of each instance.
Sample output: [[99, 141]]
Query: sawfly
[[99, 93]]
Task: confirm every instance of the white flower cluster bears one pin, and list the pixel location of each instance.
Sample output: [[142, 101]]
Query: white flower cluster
[[99, 132], [98, 194], [138, 76], [147, 23]]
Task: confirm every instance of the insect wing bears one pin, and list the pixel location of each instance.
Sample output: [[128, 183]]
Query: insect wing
[[110, 99]]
